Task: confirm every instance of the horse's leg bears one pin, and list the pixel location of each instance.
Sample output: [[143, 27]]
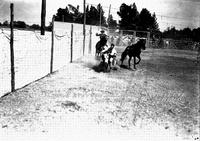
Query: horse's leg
[[139, 59], [134, 62], [122, 62], [123, 56], [129, 62], [121, 59]]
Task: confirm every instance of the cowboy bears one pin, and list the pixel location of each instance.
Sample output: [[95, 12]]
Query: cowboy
[[103, 38], [112, 53]]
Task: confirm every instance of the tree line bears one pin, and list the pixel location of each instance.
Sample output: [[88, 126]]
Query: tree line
[[23, 25], [186, 34], [131, 19], [73, 14]]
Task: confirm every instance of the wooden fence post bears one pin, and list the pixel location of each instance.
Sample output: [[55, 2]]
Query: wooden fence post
[[72, 30], [12, 48], [90, 42], [43, 15], [84, 22], [52, 44]]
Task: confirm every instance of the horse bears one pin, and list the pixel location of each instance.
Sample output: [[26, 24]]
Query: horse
[[134, 50], [98, 48]]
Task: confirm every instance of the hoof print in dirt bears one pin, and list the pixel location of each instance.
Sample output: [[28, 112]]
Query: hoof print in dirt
[[167, 127], [171, 112], [44, 131], [5, 126], [70, 104]]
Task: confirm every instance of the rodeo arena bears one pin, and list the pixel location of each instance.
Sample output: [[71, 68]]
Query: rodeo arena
[[87, 82]]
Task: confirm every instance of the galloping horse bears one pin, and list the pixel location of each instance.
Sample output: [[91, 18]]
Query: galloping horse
[[134, 50]]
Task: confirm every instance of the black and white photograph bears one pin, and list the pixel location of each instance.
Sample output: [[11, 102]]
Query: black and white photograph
[[100, 70]]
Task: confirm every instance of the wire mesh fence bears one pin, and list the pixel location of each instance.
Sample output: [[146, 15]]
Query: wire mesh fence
[[127, 37], [5, 61], [32, 52]]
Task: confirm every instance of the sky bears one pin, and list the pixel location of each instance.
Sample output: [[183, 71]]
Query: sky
[[178, 13]]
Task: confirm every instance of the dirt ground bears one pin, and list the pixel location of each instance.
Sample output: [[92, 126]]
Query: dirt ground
[[157, 101]]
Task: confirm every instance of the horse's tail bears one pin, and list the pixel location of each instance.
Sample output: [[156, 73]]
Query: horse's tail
[[124, 54]]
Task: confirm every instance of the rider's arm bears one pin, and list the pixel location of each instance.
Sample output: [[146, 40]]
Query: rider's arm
[[97, 34], [105, 50]]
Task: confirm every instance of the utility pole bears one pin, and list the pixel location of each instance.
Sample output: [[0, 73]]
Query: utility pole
[[109, 15], [43, 15], [84, 22], [100, 14]]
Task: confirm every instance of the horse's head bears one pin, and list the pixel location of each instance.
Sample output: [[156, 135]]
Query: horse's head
[[142, 43]]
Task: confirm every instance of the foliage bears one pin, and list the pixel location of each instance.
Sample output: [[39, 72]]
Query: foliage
[[23, 25], [131, 19], [35, 26], [19, 24], [5, 23], [111, 22], [195, 34], [93, 15], [72, 14], [148, 21], [185, 33]]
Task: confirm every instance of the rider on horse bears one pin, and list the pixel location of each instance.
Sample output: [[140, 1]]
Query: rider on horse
[[103, 38]]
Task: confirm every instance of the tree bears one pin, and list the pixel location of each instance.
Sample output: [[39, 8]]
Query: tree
[[129, 17], [63, 15], [75, 14], [72, 14], [187, 32], [5, 23], [92, 16], [111, 22], [154, 26], [145, 19], [19, 24], [35, 26], [101, 15], [195, 34]]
